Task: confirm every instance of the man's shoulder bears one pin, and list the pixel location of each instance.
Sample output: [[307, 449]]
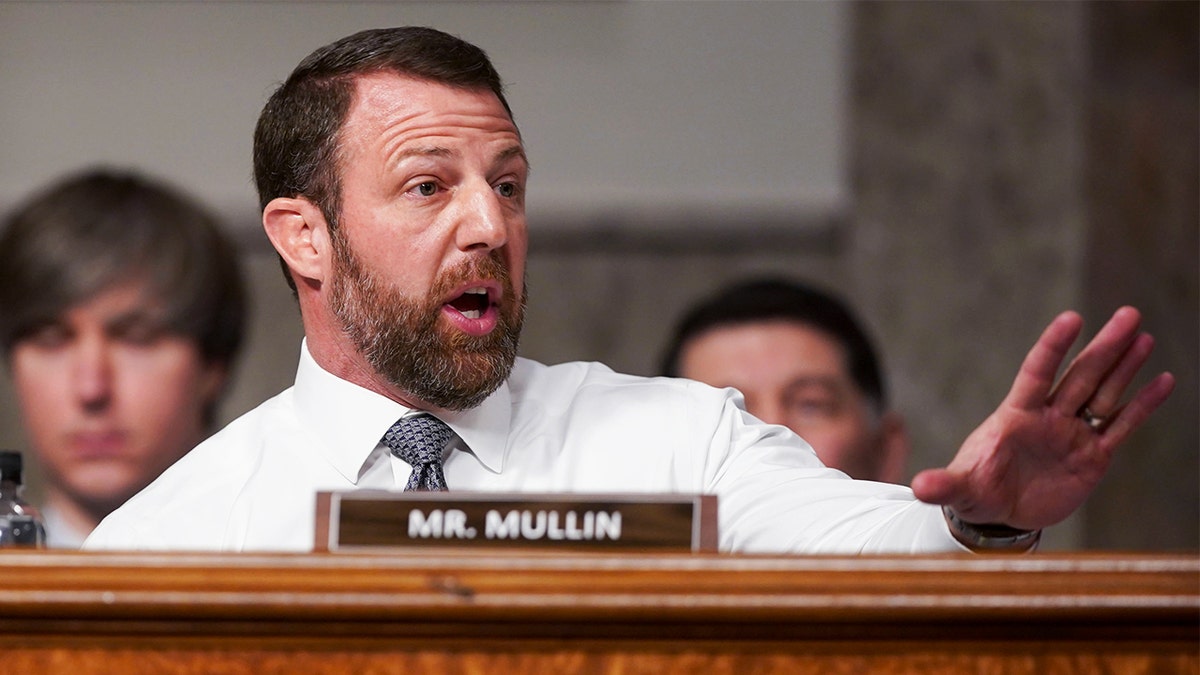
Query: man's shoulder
[[175, 509], [575, 382], [279, 409], [233, 449], [595, 372]]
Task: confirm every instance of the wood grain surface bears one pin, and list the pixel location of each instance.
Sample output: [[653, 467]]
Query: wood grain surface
[[467, 611]]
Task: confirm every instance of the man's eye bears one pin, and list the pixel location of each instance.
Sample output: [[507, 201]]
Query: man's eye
[[137, 331], [427, 189], [139, 335], [813, 407], [48, 336], [507, 189]]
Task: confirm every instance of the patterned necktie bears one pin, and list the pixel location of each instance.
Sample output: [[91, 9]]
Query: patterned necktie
[[418, 440]]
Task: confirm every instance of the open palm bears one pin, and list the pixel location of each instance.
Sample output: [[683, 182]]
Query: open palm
[[1036, 459]]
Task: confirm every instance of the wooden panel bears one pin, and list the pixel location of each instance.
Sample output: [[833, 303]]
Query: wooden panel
[[465, 612]]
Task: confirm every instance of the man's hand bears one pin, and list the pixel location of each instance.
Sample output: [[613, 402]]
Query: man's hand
[[1039, 455]]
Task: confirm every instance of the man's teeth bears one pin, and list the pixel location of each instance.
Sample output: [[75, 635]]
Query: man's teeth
[[481, 298]]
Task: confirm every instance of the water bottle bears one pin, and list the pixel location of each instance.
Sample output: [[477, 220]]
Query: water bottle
[[20, 523]]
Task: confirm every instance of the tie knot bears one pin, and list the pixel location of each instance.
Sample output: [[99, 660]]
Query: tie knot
[[418, 440]]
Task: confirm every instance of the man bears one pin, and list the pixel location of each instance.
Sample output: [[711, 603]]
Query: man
[[121, 312], [802, 360], [392, 179]]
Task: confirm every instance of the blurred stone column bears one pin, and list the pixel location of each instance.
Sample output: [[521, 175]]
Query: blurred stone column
[[979, 168], [1141, 183]]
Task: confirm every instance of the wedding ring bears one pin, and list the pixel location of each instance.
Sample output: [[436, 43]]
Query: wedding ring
[[1096, 422]]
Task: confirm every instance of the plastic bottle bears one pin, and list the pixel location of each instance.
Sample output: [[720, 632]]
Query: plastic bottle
[[20, 522]]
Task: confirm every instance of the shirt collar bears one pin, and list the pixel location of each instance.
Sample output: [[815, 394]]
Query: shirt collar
[[484, 428], [350, 420]]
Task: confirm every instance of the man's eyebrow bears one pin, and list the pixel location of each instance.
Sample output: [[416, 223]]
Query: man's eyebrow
[[517, 151], [138, 315], [823, 381], [424, 151], [511, 152]]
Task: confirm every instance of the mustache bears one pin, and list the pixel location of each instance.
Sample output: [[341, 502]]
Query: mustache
[[482, 268]]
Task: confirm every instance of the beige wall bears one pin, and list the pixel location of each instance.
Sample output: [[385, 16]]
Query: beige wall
[[628, 109]]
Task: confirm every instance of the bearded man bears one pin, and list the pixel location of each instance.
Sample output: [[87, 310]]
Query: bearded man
[[392, 180]]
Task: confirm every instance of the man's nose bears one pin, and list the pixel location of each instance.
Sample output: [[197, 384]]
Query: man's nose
[[771, 412], [483, 220], [92, 373]]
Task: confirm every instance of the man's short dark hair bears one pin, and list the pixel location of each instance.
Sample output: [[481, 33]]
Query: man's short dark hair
[[100, 228], [783, 300], [296, 140]]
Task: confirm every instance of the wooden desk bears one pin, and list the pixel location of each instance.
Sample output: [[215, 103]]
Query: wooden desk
[[465, 612]]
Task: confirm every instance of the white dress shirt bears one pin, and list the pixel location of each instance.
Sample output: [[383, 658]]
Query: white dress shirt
[[574, 427]]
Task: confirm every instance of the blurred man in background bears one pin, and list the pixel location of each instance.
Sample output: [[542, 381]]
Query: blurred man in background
[[121, 313], [801, 359]]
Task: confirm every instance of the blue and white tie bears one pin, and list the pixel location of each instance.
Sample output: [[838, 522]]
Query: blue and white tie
[[419, 440]]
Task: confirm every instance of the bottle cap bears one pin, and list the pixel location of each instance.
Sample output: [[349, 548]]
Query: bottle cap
[[10, 465]]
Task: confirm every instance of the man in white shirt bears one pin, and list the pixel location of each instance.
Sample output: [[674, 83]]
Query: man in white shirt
[[392, 180]]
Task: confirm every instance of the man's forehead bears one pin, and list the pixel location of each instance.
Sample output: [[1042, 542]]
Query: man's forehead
[[385, 96], [127, 296], [790, 345], [393, 114], [110, 306]]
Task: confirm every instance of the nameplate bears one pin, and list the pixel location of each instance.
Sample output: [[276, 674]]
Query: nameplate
[[372, 519]]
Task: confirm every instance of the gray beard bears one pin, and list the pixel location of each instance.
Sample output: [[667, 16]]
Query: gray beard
[[401, 339]]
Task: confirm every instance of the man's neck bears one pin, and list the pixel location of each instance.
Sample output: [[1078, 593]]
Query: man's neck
[[78, 519], [346, 363]]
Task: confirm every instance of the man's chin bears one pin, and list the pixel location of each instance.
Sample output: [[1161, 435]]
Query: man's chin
[[464, 384], [106, 489]]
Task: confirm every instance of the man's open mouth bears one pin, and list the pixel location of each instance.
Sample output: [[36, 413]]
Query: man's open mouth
[[472, 303]]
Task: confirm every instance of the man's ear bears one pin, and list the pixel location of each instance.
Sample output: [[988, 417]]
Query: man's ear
[[213, 380], [298, 231], [895, 448]]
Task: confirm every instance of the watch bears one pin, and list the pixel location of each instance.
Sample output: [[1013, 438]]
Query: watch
[[990, 536]]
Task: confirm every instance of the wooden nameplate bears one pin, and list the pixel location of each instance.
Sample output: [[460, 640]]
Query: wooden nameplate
[[378, 519]]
